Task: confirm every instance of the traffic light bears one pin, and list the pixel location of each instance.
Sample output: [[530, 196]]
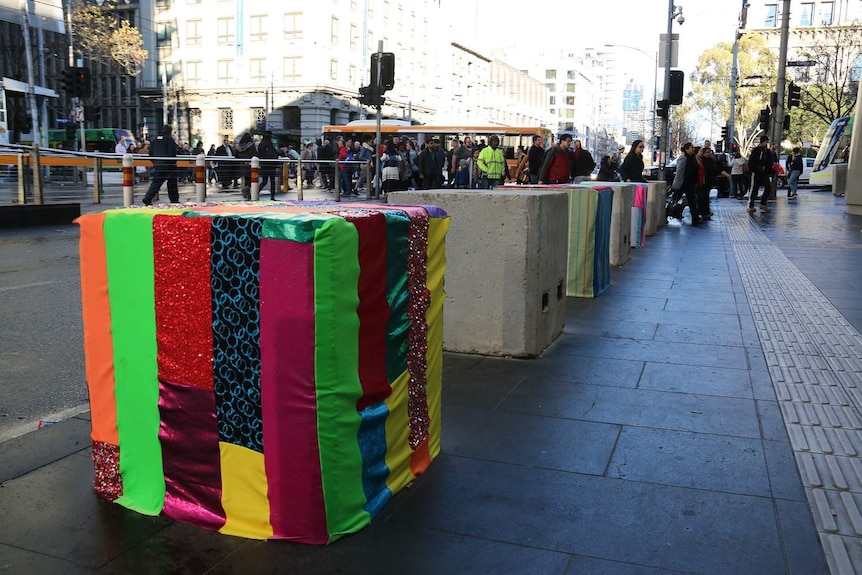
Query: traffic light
[[75, 81], [662, 108], [371, 96], [724, 132], [786, 124], [385, 63], [82, 82], [719, 146], [794, 96], [764, 118], [674, 94]]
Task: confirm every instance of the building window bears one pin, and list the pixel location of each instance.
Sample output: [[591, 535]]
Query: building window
[[290, 68], [353, 35], [827, 10], [257, 28], [551, 87], [258, 116], [333, 30], [571, 88], [351, 74], [256, 70], [225, 120], [571, 74], [570, 100], [552, 101], [550, 74], [553, 111], [224, 70], [195, 120], [193, 33], [385, 13], [333, 69], [163, 34], [193, 73], [771, 20], [856, 69], [225, 31], [806, 15], [292, 27], [570, 113]]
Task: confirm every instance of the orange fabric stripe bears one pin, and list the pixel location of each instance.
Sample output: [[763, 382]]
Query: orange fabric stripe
[[420, 459], [98, 343]]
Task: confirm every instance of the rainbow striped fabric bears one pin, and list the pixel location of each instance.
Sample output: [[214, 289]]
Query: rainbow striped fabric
[[267, 372]]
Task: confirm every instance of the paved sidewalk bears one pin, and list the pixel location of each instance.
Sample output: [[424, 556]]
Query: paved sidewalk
[[651, 438]]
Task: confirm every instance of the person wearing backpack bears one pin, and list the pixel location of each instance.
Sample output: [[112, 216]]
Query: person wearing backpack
[[391, 162], [266, 150]]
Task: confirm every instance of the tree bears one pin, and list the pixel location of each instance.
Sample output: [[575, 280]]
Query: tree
[[102, 36], [711, 84], [829, 87]]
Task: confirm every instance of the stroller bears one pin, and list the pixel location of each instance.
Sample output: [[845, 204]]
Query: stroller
[[676, 204]]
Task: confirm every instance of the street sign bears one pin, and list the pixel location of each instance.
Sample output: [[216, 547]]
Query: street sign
[[79, 113], [662, 50], [802, 63]]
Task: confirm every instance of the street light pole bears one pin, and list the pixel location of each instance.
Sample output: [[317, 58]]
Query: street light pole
[[668, 45]]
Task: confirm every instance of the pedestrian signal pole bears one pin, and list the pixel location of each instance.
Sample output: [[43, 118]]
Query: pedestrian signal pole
[[377, 83]]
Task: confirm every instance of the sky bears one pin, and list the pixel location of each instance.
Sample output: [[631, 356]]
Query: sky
[[597, 22]]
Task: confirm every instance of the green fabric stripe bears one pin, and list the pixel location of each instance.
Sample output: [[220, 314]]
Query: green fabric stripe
[[294, 227], [397, 224], [336, 372], [129, 252]]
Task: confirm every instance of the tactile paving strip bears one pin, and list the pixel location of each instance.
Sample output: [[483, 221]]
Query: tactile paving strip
[[814, 357]]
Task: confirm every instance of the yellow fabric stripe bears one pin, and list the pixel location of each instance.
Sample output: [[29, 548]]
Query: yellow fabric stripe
[[437, 228], [244, 490], [398, 435]]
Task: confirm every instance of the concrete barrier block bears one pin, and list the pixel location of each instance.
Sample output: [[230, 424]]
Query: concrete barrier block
[[506, 254], [656, 216], [621, 220]]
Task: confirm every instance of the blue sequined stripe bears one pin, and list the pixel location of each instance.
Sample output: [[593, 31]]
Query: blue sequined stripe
[[236, 329]]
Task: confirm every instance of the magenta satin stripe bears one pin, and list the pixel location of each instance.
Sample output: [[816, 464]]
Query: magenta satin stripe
[[189, 436], [288, 395]]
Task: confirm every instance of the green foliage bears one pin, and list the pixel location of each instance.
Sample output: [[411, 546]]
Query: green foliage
[[101, 36]]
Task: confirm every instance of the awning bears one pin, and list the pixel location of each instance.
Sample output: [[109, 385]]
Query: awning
[[18, 86]]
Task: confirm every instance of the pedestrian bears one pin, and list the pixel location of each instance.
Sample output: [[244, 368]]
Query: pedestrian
[[325, 155], [269, 165], [737, 175], [557, 168], [163, 146], [606, 171], [227, 171], [120, 148], [535, 159], [760, 164], [391, 161], [794, 168], [492, 162], [431, 163], [685, 181], [583, 162], [307, 158], [345, 166], [245, 149], [632, 169]]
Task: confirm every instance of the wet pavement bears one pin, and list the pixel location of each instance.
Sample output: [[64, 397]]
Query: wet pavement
[[701, 416]]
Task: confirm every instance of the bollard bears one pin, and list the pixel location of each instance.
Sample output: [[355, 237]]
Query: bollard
[[128, 180], [299, 179], [255, 179], [22, 180], [38, 194], [97, 181], [337, 173], [200, 178]]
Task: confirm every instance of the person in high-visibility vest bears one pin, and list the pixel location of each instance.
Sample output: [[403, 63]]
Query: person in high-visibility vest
[[492, 164]]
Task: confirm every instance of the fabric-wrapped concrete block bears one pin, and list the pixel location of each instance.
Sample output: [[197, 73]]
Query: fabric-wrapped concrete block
[[265, 372]]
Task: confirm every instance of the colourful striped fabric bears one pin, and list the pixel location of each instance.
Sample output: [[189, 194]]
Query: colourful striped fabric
[[267, 373], [589, 270]]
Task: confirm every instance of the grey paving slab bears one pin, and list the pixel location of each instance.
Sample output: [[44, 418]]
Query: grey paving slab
[[726, 382], [690, 530], [47, 445], [620, 329], [603, 371], [536, 441], [639, 407], [705, 461], [14, 561], [700, 333], [54, 511], [477, 390]]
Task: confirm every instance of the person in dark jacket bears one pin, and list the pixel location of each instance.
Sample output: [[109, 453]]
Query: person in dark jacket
[[163, 146], [794, 167], [266, 150], [632, 169], [760, 163], [607, 173], [582, 161], [707, 164], [227, 172], [245, 149], [535, 159]]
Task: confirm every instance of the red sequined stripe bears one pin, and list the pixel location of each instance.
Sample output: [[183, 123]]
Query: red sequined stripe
[[106, 462], [417, 335]]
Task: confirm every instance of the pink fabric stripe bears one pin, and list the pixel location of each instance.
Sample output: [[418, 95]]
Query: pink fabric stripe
[[188, 433], [288, 395]]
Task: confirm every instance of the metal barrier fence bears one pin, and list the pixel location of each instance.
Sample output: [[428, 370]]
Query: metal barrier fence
[[32, 166]]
